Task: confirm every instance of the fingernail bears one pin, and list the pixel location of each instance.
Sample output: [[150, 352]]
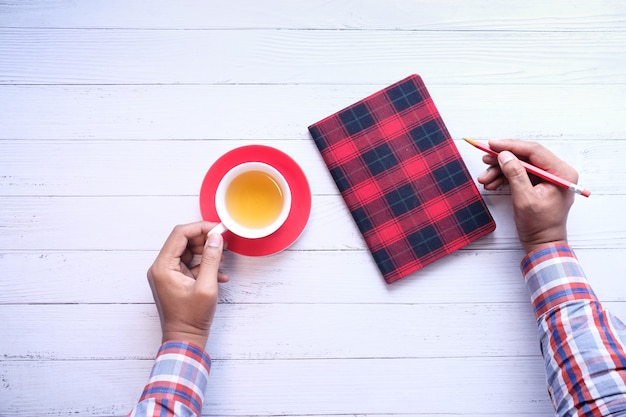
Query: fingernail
[[214, 240], [505, 156]]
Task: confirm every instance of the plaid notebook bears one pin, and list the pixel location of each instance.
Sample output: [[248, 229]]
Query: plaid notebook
[[402, 178]]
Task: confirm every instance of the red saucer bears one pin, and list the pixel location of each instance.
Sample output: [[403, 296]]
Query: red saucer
[[300, 199]]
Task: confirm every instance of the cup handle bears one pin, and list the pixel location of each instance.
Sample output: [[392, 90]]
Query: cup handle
[[219, 229]]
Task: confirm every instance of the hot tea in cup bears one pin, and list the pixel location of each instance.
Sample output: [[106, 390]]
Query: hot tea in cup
[[252, 200]]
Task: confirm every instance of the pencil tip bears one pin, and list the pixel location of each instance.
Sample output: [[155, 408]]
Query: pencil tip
[[468, 140]]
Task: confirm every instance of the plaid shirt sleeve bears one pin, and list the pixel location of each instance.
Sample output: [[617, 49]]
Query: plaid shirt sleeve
[[177, 382], [583, 345]]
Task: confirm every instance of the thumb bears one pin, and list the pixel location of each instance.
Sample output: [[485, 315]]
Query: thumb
[[209, 266], [515, 174]]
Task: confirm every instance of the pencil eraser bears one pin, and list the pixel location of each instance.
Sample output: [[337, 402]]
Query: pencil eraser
[[586, 193]]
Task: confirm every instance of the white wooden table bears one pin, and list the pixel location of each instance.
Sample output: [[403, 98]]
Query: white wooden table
[[112, 111]]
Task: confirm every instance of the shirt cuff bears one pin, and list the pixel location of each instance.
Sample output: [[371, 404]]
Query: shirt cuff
[[554, 276], [179, 375]]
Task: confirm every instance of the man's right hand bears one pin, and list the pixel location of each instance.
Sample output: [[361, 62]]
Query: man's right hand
[[540, 210]]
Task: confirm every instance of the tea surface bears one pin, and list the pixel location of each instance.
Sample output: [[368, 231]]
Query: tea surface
[[254, 199]]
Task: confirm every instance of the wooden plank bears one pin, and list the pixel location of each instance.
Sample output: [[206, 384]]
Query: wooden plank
[[268, 112], [345, 277], [291, 387], [578, 15], [291, 331], [100, 223], [122, 56], [133, 168]]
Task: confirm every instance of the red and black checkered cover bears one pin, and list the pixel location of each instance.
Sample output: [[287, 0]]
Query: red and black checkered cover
[[402, 178]]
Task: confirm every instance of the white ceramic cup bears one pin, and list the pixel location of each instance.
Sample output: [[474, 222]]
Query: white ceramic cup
[[228, 222]]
